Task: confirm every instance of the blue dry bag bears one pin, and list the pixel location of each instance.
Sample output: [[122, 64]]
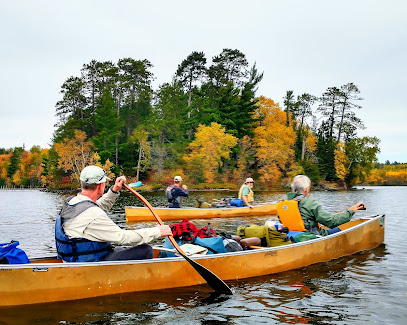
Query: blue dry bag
[[236, 202], [213, 244], [10, 254]]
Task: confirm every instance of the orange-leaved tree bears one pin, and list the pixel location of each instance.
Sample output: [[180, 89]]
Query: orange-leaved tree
[[5, 161], [211, 145], [273, 141], [77, 153]]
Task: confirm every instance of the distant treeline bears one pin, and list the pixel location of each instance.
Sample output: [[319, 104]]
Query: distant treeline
[[388, 174], [206, 124]]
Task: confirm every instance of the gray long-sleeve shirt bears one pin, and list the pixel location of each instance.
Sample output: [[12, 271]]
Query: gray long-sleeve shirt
[[94, 224]]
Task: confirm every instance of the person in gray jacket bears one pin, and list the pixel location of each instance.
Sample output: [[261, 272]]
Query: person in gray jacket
[[84, 217]]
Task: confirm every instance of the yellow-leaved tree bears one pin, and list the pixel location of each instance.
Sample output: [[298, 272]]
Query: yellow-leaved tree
[[309, 146], [211, 145], [75, 154], [340, 162], [273, 141]]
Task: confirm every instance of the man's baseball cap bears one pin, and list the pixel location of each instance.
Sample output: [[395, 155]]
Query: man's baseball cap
[[93, 175], [249, 180], [177, 179]]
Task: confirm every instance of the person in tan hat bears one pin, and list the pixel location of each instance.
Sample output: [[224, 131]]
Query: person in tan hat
[[175, 193], [246, 193], [85, 233]]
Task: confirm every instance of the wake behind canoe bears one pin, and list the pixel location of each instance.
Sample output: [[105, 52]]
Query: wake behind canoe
[[135, 214]]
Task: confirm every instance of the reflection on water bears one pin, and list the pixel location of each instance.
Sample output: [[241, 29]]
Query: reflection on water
[[368, 287]]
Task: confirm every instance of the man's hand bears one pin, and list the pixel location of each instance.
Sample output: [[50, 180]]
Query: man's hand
[[244, 198], [184, 187], [357, 206], [119, 183], [165, 230]]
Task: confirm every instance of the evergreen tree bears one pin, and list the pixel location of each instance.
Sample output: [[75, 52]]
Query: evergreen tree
[[329, 107], [347, 121], [97, 77], [290, 106], [136, 80], [108, 127], [326, 152], [303, 110], [14, 161], [191, 71], [229, 66]]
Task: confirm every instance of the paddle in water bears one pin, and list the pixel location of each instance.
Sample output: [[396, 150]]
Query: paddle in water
[[212, 279]]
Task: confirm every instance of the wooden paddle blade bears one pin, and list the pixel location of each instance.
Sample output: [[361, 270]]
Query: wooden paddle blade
[[212, 279]]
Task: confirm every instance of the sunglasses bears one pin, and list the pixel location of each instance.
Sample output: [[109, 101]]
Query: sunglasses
[[104, 174], [251, 182]]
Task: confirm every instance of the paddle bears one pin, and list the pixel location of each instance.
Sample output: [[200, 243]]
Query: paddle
[[212, 279]]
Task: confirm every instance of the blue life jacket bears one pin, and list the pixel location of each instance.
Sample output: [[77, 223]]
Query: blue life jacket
[[77, 249]]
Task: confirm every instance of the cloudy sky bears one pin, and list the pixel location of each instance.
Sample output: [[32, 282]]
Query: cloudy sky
[[304, 46]]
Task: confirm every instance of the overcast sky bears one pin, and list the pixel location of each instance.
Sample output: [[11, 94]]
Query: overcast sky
[[304, 46]]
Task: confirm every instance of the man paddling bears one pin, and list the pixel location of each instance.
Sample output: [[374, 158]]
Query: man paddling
[[246, 193], [84, 232], [175, 193]]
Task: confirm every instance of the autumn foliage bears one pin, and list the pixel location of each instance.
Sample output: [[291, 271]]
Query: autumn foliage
[[273, 141], [77, 153], [206, 152], [207, 124], [388, 174]]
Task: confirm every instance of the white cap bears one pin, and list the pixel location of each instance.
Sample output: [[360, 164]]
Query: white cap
[[177, 179], [93, 175], [249, 179]]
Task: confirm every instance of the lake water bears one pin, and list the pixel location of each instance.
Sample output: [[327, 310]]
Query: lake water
[[365, 288]]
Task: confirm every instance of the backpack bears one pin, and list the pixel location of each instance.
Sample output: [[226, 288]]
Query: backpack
[[168, 191], [230, 244], [10, 254], [273, 237], [187, 231]]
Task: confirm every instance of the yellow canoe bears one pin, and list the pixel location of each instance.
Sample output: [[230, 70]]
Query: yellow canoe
[[49, 280], [134, 214]]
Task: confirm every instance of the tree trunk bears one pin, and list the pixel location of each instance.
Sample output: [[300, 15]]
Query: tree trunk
[[303, 148], [139, 163]]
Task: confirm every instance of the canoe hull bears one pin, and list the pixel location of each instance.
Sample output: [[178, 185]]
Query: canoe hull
[[134, 214], [49, 282]]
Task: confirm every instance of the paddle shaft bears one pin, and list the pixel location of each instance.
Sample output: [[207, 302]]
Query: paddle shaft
[[212, 279]]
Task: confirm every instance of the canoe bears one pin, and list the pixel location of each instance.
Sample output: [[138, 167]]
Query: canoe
[[134, 214], [50, 280]]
